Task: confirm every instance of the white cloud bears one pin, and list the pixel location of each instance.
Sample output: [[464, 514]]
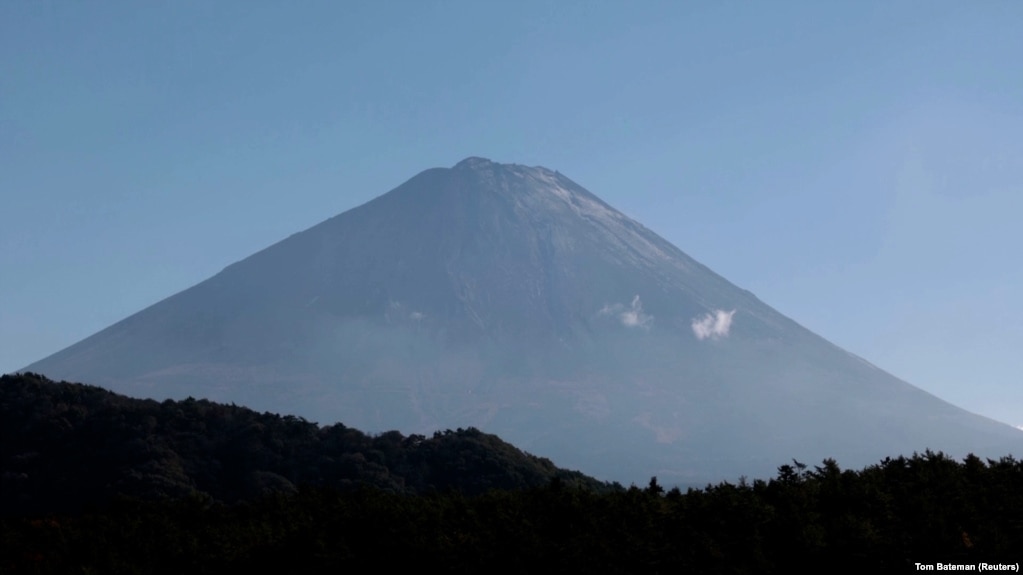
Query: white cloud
[[713, 325], [631, 316], [634, 316]]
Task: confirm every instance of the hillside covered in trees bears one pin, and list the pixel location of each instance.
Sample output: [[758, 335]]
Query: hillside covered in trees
[[95, 482], [68, 445]]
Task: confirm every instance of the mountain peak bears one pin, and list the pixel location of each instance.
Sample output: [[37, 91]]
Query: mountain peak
[[474, 163]]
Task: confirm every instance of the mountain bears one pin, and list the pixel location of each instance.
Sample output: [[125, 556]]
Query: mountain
[[510, 299]]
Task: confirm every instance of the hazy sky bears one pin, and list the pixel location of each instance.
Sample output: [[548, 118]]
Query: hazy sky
[[857, 165]]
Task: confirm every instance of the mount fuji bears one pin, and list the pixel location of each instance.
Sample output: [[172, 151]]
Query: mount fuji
[[511, 299]]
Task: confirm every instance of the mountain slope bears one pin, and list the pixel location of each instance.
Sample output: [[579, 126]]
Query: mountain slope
[[511, 299]]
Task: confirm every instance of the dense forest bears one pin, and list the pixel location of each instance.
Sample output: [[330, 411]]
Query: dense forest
[[94, 482], [66, 445]]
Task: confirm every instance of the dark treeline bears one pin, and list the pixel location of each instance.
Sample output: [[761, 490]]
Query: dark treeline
[[67, 445], [925, 508]]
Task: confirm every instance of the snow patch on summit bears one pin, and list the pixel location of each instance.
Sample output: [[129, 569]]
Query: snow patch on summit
[[581, 205], [626, 232]]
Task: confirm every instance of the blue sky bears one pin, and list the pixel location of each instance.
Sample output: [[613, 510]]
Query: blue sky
[[857, 165]]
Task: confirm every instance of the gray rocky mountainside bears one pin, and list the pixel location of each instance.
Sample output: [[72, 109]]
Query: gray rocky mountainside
[[510, 299]]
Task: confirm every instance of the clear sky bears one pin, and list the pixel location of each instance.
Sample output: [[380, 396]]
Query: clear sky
[[858, 165]]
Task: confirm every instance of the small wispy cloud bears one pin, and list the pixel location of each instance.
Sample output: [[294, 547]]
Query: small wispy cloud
[[634, 316], [631, 315], [397, 312], [714, 325]]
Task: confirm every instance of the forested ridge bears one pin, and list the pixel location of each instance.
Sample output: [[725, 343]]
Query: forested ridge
[[66, 445], [95, 482]]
